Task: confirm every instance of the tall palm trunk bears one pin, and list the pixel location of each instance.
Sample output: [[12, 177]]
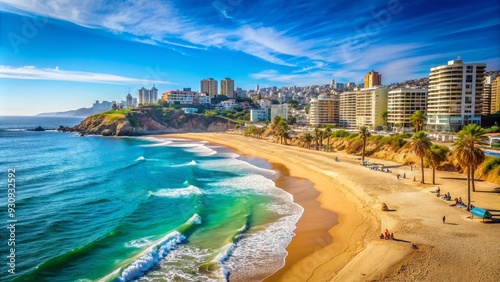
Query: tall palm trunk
[[472, 178], [328, 148], [468, 188], [363, 153], [433, 176], [422, 166]]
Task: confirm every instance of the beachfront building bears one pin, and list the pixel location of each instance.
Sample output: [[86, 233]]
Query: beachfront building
[[257, 115], [454, 97], [372, 79], [347, 110], [209, 86], [148, 96], [401, 104], [495, 96], [324, 110], [179, 97], [279, 110], [487, 97], [371, 103], [227, 87]]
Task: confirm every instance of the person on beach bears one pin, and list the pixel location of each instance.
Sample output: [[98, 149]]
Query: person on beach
[[414, 179], [404, 175], [398, 176], [438, 190], [444, 219]]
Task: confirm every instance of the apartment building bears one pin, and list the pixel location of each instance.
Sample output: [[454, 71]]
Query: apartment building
[[372, 79], [371, 103], [209, 86], [454, 95], [401, 104], [227, 87], [324, 110], [347, 110]]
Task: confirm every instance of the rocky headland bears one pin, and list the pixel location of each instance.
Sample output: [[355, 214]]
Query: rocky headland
[[152, 120]]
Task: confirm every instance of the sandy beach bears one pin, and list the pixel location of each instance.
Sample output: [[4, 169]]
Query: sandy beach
[[344, 244]]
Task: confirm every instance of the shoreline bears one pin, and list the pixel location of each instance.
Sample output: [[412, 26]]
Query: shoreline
[[355, 193]]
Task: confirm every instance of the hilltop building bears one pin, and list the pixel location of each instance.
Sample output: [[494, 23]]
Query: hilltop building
[[209, 86], [401, 104], [454, 97], [148, 96], [227, 87], [372, 79], [371, 103]]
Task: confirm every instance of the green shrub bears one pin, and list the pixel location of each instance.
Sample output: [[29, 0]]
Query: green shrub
[[491, 163]]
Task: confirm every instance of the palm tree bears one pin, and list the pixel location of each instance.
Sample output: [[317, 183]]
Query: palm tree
[[418, 119], [328, 133], [306, 139], [282, 130], [384, 117], [437, 155], [363, 134], [467, 154], [421, 145], [318, 137]]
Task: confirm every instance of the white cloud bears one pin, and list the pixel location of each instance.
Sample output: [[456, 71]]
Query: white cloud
[[33, 73]]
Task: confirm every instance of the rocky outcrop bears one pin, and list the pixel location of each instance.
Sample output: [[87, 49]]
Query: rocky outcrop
[[150, 121]]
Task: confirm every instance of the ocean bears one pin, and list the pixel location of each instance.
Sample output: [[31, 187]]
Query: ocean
[[135, 208]]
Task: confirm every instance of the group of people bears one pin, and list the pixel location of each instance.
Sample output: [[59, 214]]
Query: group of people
[[458, 201], [399, 175], [446, 196], [386, 235]]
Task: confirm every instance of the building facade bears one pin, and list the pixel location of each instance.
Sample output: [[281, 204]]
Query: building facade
[[279, 110], [454, 95], [371, 103], [486, 98], [180, 97], [347, 110], [324, 110], [257, 115], [495, 96], [129, 102], [372, 79], [227, 87], [148, 96], [401, 104], [209, 86]]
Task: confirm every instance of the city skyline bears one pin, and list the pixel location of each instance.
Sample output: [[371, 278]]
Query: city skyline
[[59, 56]]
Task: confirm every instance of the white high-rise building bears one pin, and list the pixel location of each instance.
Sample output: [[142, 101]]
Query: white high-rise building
[[227, 87], [401, 104], [279, 110], [347, 110], [148, 96], [209, 86], [454, 97], [130, 101]]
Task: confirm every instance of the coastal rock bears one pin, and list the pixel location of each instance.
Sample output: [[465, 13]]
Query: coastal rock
[[38, 128]]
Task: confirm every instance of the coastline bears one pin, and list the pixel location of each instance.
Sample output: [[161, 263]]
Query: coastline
[[355, 194]]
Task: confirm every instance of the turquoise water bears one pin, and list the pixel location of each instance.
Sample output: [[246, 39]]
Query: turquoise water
[[149, 209]]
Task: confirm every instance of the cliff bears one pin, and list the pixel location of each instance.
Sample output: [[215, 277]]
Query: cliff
[[149, 121]]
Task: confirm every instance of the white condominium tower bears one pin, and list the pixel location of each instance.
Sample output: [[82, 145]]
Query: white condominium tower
[[454, 97], [402, 103], [209, 86], [147, 96], [347, 110], [227, 87]]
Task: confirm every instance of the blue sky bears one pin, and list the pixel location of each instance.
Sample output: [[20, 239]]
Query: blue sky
[[59, 55]]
